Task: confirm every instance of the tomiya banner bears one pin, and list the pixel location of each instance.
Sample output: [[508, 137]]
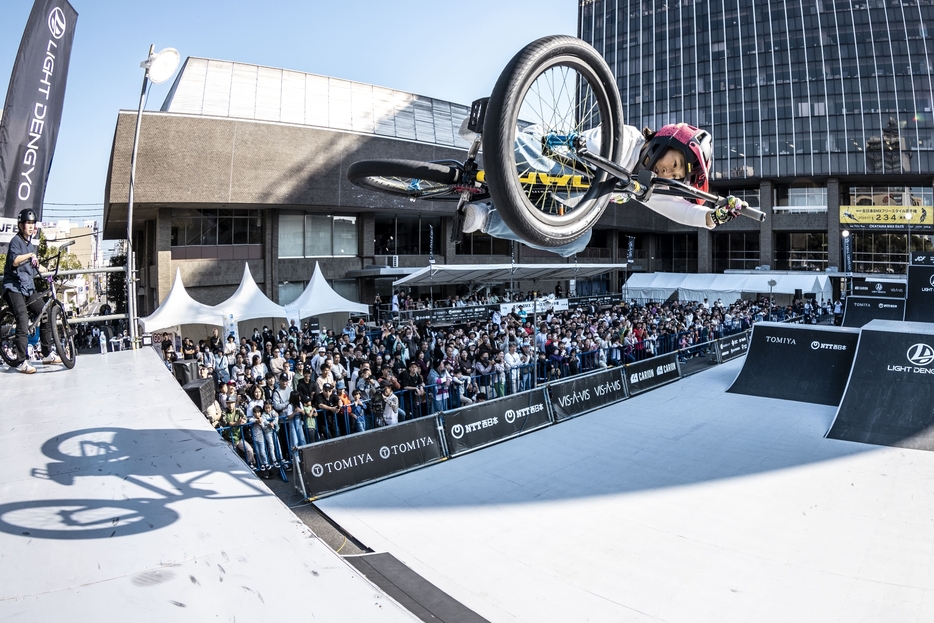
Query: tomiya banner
[[487, 422], [581, 394], [348, 461], [33, 108]]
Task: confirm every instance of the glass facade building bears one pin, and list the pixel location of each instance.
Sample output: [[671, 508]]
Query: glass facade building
[[806, 100]]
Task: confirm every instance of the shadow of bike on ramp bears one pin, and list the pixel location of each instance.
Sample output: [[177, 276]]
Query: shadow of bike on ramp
[[172, 465]]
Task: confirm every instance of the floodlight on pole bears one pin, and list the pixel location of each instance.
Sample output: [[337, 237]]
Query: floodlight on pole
[[159, 67]]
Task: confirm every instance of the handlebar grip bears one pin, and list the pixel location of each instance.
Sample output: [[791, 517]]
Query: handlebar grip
[[754, 214]]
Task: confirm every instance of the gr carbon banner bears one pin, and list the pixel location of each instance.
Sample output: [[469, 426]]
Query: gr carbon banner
[[581, 394], [494, 420], [732, 346], [33, 108], [348, 461], [651, 373]]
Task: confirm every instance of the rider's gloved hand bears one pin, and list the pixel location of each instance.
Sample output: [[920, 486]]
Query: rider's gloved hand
[[34, 261], [728, 211]]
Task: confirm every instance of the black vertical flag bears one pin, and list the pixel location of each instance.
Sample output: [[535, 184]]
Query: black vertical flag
[[33, 108]]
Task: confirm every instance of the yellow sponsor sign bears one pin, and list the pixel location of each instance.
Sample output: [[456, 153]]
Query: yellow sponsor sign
[[892, 216]]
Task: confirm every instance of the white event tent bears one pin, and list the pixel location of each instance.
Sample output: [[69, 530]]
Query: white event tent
[[249, 302], [320, 298], [179, 308], [728, 287]]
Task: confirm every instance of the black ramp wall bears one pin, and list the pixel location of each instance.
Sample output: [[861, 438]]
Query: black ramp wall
[[807, 363], [861, 309], [889, 398]]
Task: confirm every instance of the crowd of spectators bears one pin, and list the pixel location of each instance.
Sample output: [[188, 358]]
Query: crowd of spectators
[[292, 386]]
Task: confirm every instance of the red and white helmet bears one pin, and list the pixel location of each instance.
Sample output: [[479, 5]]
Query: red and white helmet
[[694, 143]]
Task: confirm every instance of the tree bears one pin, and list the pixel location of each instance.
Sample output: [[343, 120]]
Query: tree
[[116, 285]]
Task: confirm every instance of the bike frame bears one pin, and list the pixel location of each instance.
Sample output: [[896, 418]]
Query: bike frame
[[52, 297]]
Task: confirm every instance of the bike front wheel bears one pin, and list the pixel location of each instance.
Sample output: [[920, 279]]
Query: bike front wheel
[[551, 93], [8, 336], [406, 178], [62, 337]]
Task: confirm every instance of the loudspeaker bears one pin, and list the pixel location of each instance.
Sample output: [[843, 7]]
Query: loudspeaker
[[185, 371], [201, 392], [798, 294]]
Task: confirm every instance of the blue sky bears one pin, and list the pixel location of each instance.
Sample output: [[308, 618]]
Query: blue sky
[[452, 51]]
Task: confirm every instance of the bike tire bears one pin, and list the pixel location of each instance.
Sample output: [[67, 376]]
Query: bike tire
[[8, 349], [62, 337], [551, 215], [406, 178]]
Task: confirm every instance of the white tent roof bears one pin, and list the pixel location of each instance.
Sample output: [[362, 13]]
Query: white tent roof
[[502, 273], [179, 308], [729, 287], [248, 302], [320, 298]]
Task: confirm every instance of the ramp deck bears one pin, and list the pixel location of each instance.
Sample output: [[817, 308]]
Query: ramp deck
[[119, 502]]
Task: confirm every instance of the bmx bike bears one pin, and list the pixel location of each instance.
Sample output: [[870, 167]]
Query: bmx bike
[[63, 336], [550, 186]]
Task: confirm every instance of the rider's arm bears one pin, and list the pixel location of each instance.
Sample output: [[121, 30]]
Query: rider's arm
[[681, 211]]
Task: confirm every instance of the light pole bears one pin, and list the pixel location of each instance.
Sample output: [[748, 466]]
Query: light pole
[[159, 67]]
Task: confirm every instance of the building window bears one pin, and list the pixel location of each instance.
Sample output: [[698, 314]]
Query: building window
[[216, 227], [317, 235], [735, 251], [801, 251], [478, 243], [884, 252], [801, 199], [408, 235], [676, 253]]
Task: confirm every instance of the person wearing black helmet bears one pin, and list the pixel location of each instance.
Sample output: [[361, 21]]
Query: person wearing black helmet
[[19, 290], [676, 151]]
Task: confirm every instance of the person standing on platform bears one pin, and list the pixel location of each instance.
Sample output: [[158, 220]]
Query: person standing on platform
[[19, 290]]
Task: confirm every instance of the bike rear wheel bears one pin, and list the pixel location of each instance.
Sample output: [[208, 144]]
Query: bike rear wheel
[[406, 178], [8, 336], [561, 87], [62, 337]]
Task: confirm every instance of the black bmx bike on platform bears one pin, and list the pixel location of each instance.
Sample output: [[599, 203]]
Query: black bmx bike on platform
[[564, 88], [63, 336]]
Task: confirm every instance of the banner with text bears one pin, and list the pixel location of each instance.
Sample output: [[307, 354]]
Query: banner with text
[[585, 393], [920, 304], [732, 346], [651, 373], [494, 420], [919, 218], [341, 463], [33, 108], [867, 287]]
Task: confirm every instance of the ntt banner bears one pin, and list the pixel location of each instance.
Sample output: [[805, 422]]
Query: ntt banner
[[651, 373], [581, 394], [345, 462], [732, 346], [494, 420], [33, 108]]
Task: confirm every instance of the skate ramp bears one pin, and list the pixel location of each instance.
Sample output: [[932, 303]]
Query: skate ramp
[[119, 502], [861, 309], [807, 363], [890, 392]]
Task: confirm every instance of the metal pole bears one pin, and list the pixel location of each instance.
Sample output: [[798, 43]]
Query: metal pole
[[130, 282]]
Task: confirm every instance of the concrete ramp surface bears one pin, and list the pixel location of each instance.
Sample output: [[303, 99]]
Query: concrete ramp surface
[[889, 399], [808, 363], [119, 502]]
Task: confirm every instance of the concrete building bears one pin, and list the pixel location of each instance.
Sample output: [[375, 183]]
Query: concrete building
[[248, 163], [821, 113]]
